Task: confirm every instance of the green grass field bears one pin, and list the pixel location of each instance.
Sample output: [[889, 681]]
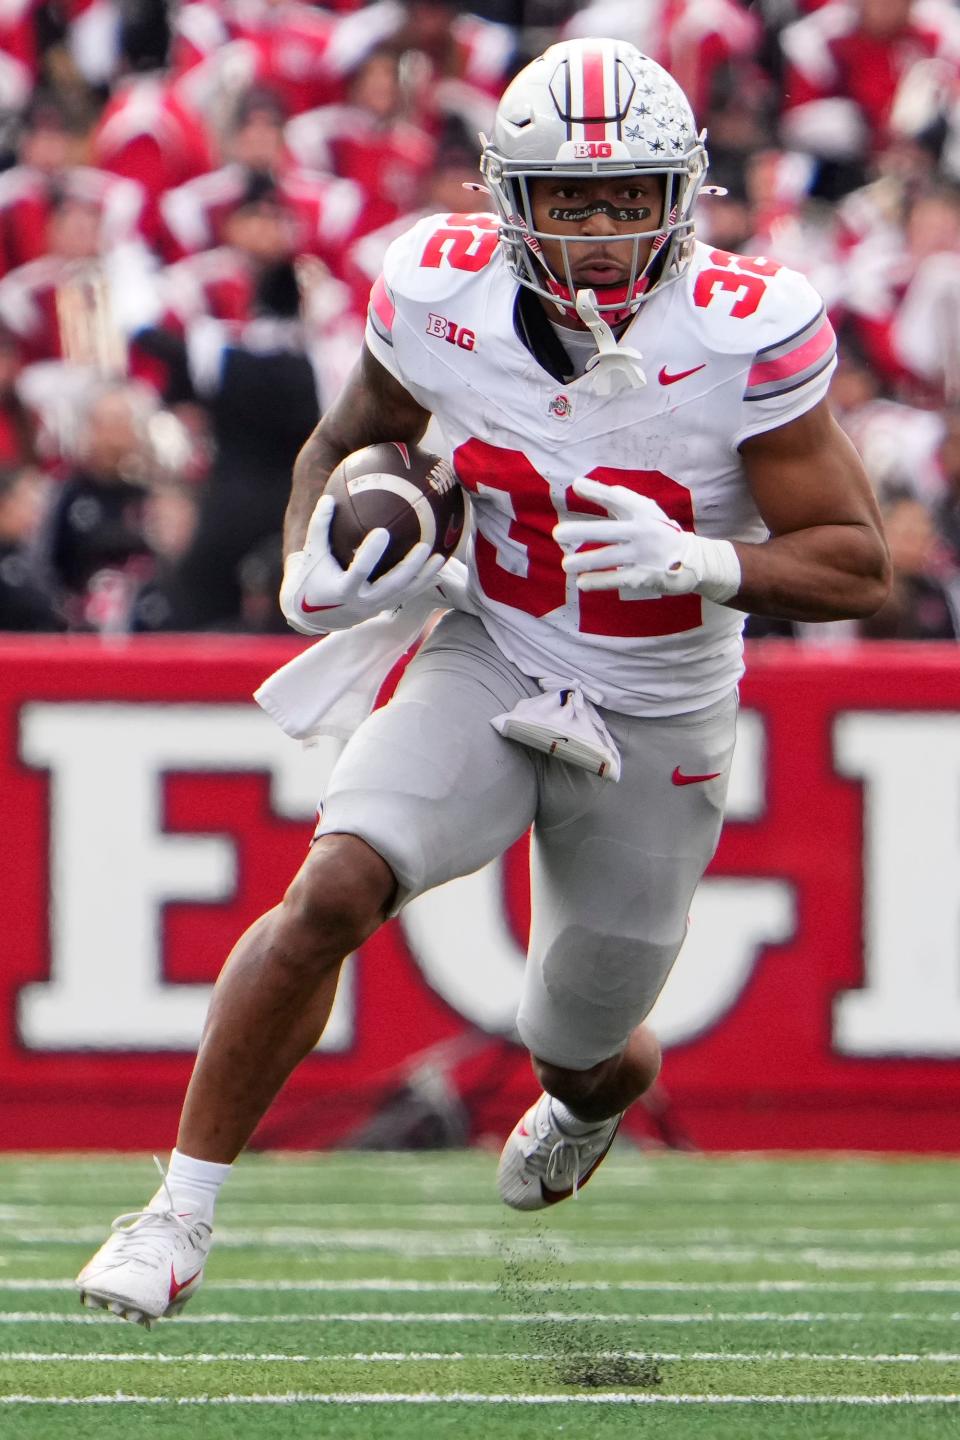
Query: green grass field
[[364, 1296]]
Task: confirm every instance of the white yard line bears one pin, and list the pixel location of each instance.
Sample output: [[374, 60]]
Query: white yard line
[[479, 1243], [245, 1213], [560, 1317], [372, 1357], [386, 1286], [615, 1397]]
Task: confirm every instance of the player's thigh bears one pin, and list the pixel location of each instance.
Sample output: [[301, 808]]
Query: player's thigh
[[426, 780], [612, 880]]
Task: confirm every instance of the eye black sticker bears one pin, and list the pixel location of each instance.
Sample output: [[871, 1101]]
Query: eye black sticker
[[602, 207]]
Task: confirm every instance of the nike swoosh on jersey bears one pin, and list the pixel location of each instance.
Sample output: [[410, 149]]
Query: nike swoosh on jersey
[[666, 378], [679, 778]]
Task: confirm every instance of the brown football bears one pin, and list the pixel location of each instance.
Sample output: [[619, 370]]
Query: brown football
[[400, 488]]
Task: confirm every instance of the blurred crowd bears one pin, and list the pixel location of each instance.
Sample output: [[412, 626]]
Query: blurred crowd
[[195, 199]]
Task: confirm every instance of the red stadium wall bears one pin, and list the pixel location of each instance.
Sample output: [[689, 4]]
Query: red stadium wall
[[149, 811]]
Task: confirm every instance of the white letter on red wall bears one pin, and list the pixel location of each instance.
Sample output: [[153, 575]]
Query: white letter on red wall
[[112, 867], [910, 1000]]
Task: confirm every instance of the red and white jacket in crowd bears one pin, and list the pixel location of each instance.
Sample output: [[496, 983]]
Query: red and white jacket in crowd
[[327, 212], [388, 161], [691, 38], [26, 201], [151, 133], [124, 278], [841, 83], [18, 53], [218, 283], [303, 54]]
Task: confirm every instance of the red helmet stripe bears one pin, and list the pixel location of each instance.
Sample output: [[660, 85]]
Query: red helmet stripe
[[593, 95]]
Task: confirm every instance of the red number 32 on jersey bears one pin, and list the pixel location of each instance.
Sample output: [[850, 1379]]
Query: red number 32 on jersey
[[523, 493]]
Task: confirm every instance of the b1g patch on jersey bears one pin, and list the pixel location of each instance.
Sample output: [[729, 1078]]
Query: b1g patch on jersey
[[440, 328]]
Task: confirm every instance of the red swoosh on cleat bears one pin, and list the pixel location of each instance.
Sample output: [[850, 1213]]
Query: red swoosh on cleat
[[679, 778], [177, 1285]]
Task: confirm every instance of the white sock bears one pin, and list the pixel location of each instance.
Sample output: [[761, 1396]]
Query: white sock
[[195, 1184], [569, 1122]]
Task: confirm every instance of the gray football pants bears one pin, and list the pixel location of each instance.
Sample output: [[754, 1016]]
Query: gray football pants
[[437, 792]]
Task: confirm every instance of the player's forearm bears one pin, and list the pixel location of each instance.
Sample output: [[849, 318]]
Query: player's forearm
[[320, 455], [371, 407], [349, 424], [829, 572]]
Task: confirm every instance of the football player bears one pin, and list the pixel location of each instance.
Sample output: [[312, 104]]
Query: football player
[[641, 425]]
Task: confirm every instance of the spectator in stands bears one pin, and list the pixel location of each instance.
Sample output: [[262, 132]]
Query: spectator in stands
[[451, 186], [17, 423], [80, 250], [28, 294], [947, 511], [259, 386], [697, 42], [371, 139], [153, 130], [925, 334], [325, 212], [921, 605], [169, 525], [457, 63], [258, 231], [899, 244], [254, 131], [897, 442], [26, 601], [43, 153], [843, 66], [260, 574], [19, 56], [303, 52], [97, 547], [192, 214]]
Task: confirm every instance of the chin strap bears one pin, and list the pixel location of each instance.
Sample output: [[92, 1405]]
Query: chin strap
[[614, 367]]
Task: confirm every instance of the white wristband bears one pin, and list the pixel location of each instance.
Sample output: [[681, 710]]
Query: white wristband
[[721, 574], [709, 567]]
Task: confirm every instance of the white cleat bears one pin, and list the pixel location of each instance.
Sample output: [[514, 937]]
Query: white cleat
[[542, 1164], [150, 1265]]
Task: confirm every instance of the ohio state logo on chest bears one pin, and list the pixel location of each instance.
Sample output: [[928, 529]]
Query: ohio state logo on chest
[[443, 329]]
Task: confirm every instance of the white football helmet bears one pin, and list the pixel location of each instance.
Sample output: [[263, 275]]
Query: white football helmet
[[589, 108]]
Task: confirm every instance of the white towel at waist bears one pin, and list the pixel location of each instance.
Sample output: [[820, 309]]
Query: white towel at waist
[[332, 686]]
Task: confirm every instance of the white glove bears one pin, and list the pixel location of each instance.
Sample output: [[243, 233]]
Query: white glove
[[641, 550], [317, 595]]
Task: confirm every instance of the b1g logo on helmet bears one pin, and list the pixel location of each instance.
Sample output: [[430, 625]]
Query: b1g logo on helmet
[[592, 150], [443, 329]]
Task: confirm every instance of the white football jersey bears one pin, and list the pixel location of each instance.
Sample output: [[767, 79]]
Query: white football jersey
[[736, 346]]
